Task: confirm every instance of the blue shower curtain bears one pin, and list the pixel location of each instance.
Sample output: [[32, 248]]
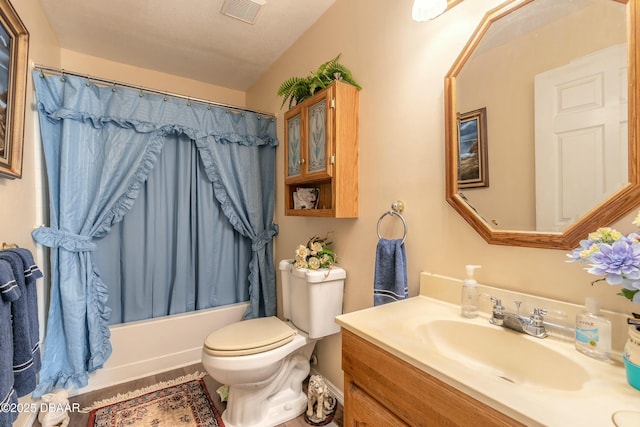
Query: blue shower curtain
[[100, 146], [166, 254]]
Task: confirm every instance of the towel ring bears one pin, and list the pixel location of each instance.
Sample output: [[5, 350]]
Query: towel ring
[[393, 213]]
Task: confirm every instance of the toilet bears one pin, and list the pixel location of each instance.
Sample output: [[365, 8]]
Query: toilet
[[265, 360]]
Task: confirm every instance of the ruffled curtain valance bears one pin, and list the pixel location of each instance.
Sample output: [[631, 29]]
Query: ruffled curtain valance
[[100, 144], [69, 97]]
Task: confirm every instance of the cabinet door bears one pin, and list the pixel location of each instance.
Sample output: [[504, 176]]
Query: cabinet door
[[293, 138], [318, 149], [361, 410]]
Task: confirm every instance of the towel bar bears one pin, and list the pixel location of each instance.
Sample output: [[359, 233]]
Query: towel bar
[[396, 208]]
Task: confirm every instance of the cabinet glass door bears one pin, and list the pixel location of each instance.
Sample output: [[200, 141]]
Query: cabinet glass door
[[293, 146], [317, 138]]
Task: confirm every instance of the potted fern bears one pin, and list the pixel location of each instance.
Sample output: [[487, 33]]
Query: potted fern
[[297, 89]]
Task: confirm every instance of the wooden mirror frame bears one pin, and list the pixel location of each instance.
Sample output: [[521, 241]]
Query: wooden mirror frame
[[607, 212], [11, 161]]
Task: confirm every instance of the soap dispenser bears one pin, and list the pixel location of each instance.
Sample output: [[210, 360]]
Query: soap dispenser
[[593, 331], [469, 300]]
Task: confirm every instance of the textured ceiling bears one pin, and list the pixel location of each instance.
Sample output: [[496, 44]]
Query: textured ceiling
[[188, 38]]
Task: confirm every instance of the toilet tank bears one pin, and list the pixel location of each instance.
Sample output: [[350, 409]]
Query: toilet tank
[[311, 299]]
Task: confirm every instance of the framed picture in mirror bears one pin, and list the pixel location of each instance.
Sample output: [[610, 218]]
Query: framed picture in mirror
[[14, 51], [472, 149]]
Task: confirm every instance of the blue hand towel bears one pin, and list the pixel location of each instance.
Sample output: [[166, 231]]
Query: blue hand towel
[[390, 281], [9, 289], [24, 370], [31, 270], [31, 274], [8, 292]]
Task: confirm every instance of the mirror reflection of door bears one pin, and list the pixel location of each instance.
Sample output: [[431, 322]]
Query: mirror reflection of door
[[499, 75], [580, 136]]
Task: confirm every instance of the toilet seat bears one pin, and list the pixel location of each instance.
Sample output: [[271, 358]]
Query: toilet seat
[[249, 337]]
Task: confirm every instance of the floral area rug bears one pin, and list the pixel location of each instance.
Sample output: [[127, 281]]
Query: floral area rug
[[183, 402]]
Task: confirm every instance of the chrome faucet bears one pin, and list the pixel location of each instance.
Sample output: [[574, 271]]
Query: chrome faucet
[[532, 325]]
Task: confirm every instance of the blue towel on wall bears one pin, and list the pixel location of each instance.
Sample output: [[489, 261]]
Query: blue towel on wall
[[31, 270], [24, 312], [390, 281], [8, 292], [31, 274], [9, 289]]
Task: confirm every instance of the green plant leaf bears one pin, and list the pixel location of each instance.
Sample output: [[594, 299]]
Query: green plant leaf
[[628, 293], [293, 89], [297, 89], [287, 85]]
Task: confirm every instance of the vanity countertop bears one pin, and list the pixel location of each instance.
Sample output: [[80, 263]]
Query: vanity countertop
[[392, 327]]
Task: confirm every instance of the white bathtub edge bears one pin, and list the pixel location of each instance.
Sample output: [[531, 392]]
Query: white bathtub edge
[[141, 349]]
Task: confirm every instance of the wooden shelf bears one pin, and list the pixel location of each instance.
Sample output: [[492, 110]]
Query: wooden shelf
[[321, 151]]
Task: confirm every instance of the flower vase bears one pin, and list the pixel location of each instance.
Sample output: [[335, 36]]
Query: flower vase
[[631, 357]]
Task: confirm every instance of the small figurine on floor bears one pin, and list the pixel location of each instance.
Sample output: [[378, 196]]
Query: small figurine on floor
[[321, 406], [53, 410], [223, 392]]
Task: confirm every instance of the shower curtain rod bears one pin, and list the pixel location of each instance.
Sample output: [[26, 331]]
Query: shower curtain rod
[[107, 82]]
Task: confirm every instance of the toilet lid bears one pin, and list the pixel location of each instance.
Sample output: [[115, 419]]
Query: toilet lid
[[249, 337]]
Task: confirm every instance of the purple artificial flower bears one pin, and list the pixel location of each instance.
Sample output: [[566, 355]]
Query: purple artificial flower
[[582, 252], [614, 257], [618, 262]]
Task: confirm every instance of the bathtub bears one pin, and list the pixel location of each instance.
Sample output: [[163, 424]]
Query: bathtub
[[148, 347]]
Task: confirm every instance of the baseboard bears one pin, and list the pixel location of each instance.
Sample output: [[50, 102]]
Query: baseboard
[[335, 391]]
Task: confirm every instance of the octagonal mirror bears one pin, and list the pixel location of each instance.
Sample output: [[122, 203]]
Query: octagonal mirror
[[541, 111]]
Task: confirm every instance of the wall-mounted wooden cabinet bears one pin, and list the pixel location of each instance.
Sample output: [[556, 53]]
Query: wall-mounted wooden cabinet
[[321, 152]]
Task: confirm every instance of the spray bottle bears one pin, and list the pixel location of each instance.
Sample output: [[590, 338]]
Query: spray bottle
[[469, 300]]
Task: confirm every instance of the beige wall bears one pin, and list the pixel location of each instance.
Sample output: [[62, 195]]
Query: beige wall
[[401, 66], [119, 72], [20, 204]]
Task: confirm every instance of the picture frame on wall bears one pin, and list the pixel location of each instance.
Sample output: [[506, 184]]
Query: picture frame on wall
[[473, 162], [14, 53]]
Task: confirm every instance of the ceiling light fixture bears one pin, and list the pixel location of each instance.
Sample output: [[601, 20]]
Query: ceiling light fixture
[[244, 10], [424, 10]]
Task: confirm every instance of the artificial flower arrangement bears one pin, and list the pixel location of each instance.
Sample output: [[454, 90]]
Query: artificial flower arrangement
[[316, 254], [614, 256]]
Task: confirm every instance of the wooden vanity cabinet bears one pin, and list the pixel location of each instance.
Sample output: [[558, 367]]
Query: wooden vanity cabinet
[[321, 151], [382, 390]]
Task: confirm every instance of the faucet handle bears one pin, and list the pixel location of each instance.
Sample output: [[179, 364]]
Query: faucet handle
[[536, 326], [536, 317], [497, 306], [540, 311], [496, 301], [497, 316]]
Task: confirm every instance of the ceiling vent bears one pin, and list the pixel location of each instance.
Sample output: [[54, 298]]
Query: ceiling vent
[[244, 10]]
